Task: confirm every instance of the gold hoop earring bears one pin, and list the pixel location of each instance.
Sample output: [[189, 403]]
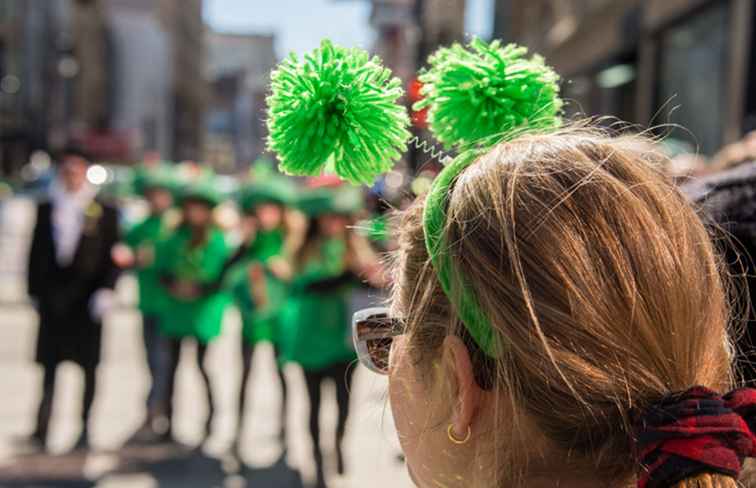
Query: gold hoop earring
[[456, 441]]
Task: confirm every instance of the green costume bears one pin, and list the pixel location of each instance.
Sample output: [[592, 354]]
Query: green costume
[[316, 323], [315, 328], [199, 318], [260, 323], [144, 237]]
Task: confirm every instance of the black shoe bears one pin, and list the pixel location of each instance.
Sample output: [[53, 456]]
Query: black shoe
[[282, 440], [34, 443], [340, 461], [320, 481], [82, 443], [209, 424], [145, 435], [235, 450]]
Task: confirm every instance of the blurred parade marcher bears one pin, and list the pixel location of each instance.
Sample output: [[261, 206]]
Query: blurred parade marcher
[[71, 279], [316, 325], [734, 154], [190, 264], [728, 199], [260, 282], [157, 185]]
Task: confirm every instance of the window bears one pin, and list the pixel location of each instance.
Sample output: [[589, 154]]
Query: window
[[693, 77]]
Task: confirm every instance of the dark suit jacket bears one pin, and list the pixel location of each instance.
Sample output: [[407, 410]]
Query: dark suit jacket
[[66, 329]]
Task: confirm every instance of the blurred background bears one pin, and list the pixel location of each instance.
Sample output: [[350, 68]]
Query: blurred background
[[186, 80]]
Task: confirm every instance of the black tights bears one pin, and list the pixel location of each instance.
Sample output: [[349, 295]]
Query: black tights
[[248, 351], [341, 374], [48, 391], [174, 355]]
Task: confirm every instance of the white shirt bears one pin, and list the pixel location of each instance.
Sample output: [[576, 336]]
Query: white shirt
[[68, 210], [68, 215]]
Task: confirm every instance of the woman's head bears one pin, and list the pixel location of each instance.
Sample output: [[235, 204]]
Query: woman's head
[[605, 295], [332, 225], [269, 215], [159, 199], [198, 213]]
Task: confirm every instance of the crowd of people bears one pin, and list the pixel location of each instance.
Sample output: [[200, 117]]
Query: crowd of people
[[290, 274]]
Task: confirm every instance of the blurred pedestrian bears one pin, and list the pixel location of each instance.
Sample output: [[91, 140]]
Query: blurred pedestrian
[[728, 199], [157, 185], [70, 279], [261, 281], [316, 325], [190, 264]]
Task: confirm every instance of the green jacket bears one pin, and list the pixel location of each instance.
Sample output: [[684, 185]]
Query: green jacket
[[260, 323], [199, 318], [145, 236], [315, 329]]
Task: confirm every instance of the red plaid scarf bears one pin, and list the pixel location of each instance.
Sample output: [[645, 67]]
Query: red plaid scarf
[[694, 432]]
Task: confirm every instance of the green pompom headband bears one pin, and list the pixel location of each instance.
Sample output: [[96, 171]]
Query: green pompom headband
[[452, 283], [478, 96], [340, 105]]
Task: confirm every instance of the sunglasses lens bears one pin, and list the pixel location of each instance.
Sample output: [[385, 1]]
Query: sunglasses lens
[[374, 332], [379, 351]]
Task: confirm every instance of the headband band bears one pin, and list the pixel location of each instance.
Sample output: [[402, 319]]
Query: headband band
[[478, 96], [452, 282]]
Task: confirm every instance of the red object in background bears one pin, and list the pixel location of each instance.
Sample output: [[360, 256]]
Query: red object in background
[[107, 144], [151, 158], [419, 117], [324, 181]]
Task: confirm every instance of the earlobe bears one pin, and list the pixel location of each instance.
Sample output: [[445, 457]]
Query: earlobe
[[468, 395]]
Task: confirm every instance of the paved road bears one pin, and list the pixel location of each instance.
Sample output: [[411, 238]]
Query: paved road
[[371, 444]]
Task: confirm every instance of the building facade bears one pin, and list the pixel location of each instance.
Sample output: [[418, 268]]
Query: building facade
[[650, 62], [238, 69], [182, 20], [407, 32], [41, 75], [119, 76]]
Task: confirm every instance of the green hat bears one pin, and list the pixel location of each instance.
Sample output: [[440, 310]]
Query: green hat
[[274, 190], [162, 176], [204, 189], [342, 201]]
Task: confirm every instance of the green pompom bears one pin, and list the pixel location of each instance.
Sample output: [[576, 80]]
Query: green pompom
[[478, 94], [336, 106]]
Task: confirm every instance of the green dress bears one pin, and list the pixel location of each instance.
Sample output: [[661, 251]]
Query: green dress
[[316, 332], [260, 323], [145, 236], [199, 318]]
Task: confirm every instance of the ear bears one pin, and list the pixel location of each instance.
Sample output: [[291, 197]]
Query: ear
[[468, 395]]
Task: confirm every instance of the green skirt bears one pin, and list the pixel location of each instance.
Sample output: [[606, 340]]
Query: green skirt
[[200, 319], [315, 331]]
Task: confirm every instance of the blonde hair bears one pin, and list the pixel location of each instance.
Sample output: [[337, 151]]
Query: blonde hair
[[603, 287]]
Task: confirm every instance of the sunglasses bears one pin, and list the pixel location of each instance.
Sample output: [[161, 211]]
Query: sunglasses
[[373, 332]]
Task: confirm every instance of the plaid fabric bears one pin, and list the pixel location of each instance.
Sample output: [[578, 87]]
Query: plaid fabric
[[694, 432]]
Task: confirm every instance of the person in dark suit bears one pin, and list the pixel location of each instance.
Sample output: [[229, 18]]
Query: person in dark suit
[[71, 276]]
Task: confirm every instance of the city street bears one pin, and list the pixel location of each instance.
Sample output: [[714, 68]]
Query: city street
[[371, 445]]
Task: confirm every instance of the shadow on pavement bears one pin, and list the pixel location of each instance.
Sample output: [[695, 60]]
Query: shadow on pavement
[[45, 471], [170, 466], [183, 468], [278, 475]]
